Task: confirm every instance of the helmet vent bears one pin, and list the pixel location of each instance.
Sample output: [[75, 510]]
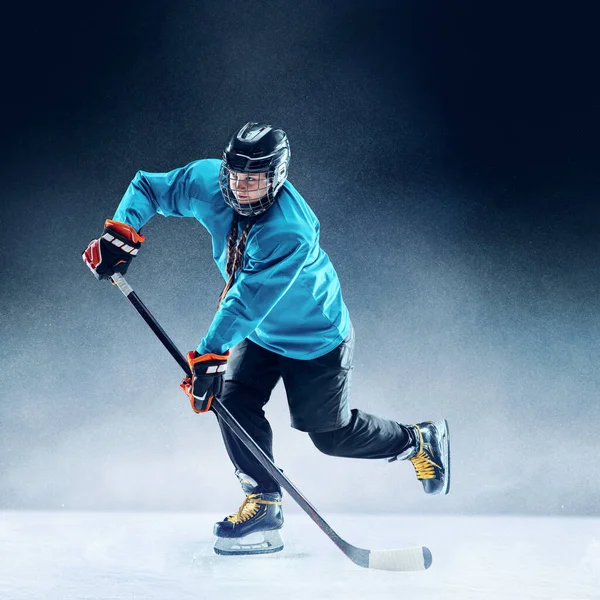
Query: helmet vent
[[252, 132]]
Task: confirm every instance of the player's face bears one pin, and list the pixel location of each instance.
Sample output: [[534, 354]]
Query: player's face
[[248, 187]]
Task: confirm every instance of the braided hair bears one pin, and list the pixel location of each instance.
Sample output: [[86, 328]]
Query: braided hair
[[235, 251]]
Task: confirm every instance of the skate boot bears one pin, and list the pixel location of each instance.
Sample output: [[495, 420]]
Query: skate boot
[[254, 529], [430, 455]]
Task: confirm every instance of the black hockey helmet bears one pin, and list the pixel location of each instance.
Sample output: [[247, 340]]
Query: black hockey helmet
[[255, 148]]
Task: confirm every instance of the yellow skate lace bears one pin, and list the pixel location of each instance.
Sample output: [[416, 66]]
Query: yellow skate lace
[[249, 508], [422, 462]]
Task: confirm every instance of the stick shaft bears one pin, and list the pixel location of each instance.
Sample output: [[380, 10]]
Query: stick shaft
[[160, 333]]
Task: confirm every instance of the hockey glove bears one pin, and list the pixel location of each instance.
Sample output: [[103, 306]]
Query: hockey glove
[[113, 251], [207, 379]]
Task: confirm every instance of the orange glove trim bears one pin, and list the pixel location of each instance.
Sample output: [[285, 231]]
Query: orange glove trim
[[125, 230], [194, 358]]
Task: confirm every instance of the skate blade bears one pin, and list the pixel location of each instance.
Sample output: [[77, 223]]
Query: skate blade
[[442, 427], [263, 542]]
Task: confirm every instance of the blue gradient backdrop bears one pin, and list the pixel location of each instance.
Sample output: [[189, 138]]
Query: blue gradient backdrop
[[450, 151]]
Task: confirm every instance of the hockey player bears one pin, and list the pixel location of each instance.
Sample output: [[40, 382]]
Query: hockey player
[[282, 310]]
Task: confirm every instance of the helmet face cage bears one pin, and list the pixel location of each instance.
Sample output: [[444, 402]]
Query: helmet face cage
[[253, 152], [273, 180]]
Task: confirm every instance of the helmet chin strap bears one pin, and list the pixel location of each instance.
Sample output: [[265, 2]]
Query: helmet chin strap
[[249, 209]]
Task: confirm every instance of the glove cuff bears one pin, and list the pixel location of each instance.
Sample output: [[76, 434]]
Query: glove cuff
[[194, 359], [127, 231]]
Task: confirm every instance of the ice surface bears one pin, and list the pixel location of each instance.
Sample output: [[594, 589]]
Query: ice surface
[[168, 556]]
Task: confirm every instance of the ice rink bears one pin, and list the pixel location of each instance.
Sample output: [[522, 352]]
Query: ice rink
[[168, 556]]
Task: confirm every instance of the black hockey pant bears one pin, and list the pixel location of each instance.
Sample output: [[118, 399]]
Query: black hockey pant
[[318, 393]]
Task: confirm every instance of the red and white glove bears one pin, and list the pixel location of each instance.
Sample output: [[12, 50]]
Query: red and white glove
[[113, 251], [206, 382]]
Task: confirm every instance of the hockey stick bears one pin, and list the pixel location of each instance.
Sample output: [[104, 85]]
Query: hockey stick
[[402, 559]]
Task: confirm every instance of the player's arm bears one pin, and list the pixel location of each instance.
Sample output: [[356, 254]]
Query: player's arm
[[257, 289], [148, 194]]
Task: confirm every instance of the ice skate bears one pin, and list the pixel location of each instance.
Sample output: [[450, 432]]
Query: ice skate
[[430, 455], [254, 529]]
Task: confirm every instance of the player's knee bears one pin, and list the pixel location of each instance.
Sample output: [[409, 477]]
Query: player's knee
[[325, 442], [240, 399], [235, 398]]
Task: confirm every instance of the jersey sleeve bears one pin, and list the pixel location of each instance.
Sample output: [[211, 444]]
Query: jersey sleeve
[[258, 287], [149, 194]]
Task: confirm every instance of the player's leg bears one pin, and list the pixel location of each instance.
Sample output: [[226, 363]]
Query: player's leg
[[252, 374], [319, 396], [425, 445]]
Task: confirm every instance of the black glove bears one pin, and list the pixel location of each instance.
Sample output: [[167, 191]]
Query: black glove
[[113, 251], [207, 379]]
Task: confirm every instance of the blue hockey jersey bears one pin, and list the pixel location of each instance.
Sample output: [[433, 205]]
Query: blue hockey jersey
[[286, 297]]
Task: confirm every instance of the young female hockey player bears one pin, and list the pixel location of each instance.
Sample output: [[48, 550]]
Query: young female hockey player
[[283, 311]]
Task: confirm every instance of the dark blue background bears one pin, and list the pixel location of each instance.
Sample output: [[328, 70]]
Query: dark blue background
[[450, 151]]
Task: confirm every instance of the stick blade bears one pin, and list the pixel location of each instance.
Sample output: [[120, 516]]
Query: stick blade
[[403, 559]]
